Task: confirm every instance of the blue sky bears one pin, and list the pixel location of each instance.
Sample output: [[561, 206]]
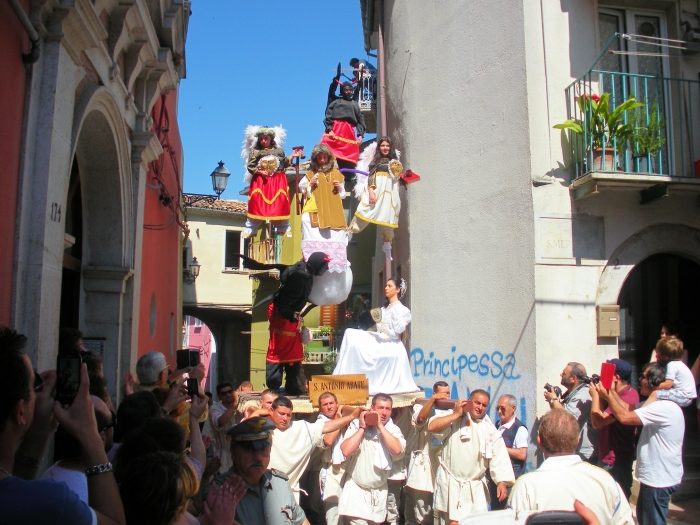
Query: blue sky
[[265, 63]]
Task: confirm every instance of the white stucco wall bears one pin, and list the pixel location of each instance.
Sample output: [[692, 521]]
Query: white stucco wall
[[561, 45], [457, 108]]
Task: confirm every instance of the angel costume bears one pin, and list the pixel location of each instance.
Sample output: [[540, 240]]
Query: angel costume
[[380, 355], [268, 195]]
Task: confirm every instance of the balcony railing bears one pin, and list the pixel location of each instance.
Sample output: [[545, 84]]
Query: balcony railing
[[367, 89], [267, 251], [665, 134]]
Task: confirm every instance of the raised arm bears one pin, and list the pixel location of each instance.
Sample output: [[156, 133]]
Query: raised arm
[[350, 445], [599, 419], [620, 409], [336, 424], [440, 423]]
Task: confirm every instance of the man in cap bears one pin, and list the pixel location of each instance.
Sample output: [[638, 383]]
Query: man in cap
[[268, 497], [617, 443]]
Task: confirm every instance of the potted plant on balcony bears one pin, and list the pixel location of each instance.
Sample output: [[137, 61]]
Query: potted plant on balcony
[[604, 130], [649, 137]]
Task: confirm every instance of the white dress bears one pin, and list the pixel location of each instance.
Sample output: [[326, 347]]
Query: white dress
[[381, 356]]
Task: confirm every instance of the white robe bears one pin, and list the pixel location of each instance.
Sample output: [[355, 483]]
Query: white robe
[[423, 460], [381, 355], [365, 491], [292, 448], [468, 451]]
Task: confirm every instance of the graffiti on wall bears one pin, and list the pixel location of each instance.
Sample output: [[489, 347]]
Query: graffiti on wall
[[469, 371]]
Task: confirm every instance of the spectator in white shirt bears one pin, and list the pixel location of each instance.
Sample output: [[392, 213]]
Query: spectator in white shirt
[[660, 447], [564, 478], [515, 436]]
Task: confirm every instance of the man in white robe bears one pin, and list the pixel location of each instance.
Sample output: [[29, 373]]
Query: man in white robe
[[370, 451], [564, 477], [332, 461], [294, 441], [423, 460], [472, 445]]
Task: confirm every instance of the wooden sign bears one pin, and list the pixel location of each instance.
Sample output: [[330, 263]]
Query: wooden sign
[[350, 389]]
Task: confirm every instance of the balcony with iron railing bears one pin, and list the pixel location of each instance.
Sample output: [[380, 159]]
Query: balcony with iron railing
[[633, 131], [367, 98]]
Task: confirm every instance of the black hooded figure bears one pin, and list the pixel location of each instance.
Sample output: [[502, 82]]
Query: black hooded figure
[[285, 350], [297, 280]]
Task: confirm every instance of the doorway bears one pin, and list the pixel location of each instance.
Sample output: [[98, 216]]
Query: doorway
[[662, 288], [73, 252]]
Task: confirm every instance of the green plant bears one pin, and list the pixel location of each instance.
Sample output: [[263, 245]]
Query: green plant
[[325, 330], [329, 362], [649, 132], [601, 126]]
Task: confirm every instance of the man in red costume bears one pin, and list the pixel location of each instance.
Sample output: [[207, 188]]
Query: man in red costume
[[285, 351]]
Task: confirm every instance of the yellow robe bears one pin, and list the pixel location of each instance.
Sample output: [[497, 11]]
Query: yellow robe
[[326, 201]]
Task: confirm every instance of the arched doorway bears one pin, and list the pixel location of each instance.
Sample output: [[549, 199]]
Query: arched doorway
[[662, 288]]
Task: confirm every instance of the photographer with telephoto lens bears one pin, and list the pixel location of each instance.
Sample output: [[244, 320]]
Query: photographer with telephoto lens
[[577, 401]]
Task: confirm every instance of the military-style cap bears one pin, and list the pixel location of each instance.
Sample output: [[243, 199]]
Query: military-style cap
[[254, 432]]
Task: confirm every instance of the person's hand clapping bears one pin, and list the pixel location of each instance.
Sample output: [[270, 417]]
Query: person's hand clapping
[[220, 507], [128, 384]]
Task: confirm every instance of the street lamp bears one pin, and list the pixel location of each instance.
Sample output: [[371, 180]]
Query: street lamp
[[190, 274], [219, 179]]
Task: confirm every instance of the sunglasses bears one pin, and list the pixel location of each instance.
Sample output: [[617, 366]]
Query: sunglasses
[[501, 409], [225, 392]]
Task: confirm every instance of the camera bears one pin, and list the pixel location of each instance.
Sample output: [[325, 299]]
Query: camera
[[595, 379], [550, 388]]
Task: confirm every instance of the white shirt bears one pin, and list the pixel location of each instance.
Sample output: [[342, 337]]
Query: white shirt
[[73, 479], [521, 436], [562, 479], [292, 448], [682, 377], [660, 447]]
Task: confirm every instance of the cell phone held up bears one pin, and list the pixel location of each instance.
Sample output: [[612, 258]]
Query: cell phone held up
[[192, 387], [186, 358], [67, 377]]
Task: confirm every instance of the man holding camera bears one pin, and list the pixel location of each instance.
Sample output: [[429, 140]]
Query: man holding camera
[[577, 401], [617, 443]]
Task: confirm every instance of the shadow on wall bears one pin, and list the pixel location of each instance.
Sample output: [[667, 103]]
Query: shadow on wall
[[582, 35]]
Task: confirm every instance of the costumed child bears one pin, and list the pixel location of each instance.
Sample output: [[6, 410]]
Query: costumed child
[[380, 353], [323, 226], [378, 193], [268, 194], [343, 117]]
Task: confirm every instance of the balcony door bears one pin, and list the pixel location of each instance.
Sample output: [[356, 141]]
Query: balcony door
[[634, 68]]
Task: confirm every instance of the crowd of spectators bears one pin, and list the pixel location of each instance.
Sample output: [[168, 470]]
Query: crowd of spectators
[[167, 455]]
